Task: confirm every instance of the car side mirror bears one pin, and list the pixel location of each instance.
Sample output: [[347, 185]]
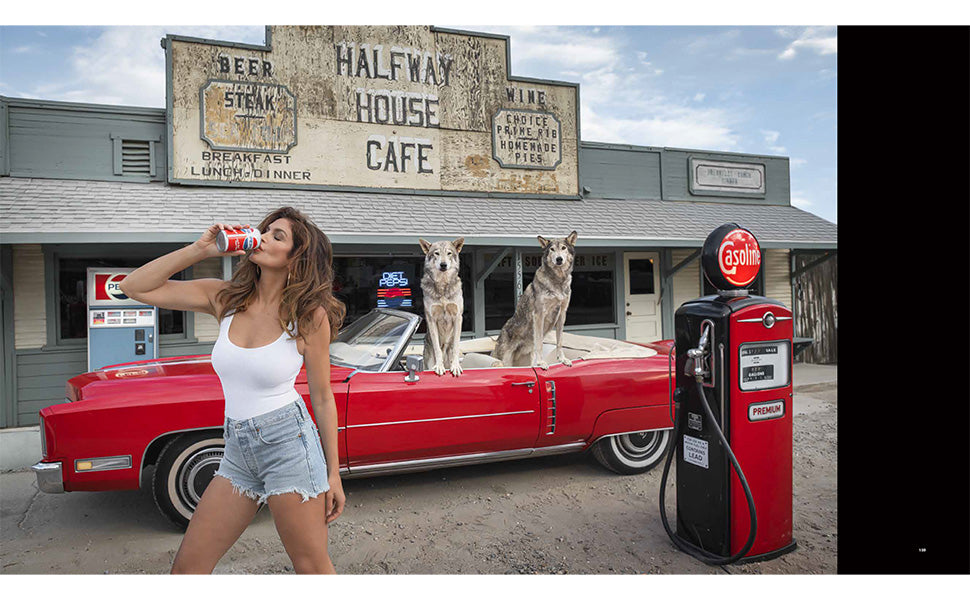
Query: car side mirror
[[413, 363]]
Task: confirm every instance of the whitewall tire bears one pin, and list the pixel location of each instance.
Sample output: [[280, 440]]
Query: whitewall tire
[[632, 453]]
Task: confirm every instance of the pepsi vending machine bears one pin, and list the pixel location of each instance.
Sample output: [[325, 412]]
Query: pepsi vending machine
[[733, 427], [120, 330]]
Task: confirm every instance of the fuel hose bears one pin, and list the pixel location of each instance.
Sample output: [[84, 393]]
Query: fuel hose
[[697, 552]]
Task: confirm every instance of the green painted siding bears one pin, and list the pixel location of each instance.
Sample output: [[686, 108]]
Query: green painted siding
[[676, 172], [4, 139], [620, 173], [41, 379], [42, 376], [75, 141]]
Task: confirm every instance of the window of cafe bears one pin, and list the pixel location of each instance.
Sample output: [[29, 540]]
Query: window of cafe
[[592, 300], [365, 283], [72, 297]]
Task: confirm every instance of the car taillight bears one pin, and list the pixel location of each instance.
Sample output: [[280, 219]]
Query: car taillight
[[70, 393], [43, 439]]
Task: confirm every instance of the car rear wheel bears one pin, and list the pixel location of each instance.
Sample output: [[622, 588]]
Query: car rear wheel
[[184, 469], [632, 453]]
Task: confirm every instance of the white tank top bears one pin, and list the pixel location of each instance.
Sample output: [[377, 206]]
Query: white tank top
[[256, 380]]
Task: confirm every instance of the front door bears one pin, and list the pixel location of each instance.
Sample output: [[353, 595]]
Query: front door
[[641, 272], [390, 420]]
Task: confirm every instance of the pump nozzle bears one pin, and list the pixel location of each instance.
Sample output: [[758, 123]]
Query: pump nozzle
[[697, 354]]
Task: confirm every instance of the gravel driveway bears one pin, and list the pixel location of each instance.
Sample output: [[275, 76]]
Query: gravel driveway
[[561, 514]]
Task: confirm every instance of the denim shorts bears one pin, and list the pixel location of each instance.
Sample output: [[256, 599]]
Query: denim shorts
[[275, 453]]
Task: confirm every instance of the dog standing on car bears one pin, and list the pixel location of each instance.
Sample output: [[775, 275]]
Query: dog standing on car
[[443, 305], [541, 307]]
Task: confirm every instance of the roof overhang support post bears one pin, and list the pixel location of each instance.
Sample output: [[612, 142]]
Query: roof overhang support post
[[480, 280], [666, 287], [480, 277], [683, 263]]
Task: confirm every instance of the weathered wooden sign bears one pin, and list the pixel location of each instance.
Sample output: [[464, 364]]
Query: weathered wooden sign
[[248, 116], [726, 177], [410, 107], [528, 139]]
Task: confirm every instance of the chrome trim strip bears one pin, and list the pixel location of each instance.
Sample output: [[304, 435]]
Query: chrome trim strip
[[155, 364], [426, 464], [50, 477], [521, 412], [552, 399], [759, 319]]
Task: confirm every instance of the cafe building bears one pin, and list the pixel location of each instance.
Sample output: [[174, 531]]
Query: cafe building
[[382, 136]]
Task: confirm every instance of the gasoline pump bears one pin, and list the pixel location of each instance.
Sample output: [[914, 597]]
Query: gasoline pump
[[733, 420]]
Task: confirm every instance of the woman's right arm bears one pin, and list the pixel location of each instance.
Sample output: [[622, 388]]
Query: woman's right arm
[[150, 284]]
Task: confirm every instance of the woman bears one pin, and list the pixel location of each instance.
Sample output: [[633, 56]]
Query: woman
[[275, 314]]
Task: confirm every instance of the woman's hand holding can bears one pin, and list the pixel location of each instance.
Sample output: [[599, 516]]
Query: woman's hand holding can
[[209, 242]]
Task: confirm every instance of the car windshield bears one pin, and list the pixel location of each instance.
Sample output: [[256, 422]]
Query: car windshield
[[366, 343]]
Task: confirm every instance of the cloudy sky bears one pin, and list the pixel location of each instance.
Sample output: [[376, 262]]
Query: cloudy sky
[[767, 90]]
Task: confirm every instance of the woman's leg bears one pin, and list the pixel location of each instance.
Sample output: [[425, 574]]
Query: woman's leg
[[303, 530], [221, 517]]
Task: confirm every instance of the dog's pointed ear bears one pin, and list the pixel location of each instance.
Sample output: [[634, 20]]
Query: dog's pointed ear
[[571, 238], [543, 241], [425, 245], [458, 244]]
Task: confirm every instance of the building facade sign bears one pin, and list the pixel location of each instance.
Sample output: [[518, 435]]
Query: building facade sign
[[731, 177], [411, 107], [526, 139], [248, 116]]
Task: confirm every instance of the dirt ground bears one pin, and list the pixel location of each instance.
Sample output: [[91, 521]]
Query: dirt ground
[[562, 514]]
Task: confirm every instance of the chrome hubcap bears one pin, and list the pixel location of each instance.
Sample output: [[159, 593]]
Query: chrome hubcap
[[638, 446], [197, 473]]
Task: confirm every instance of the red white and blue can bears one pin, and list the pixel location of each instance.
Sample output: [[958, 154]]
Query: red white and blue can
[[233, 240]]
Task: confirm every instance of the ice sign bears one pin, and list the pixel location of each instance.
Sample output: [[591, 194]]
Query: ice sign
[[393, 279]]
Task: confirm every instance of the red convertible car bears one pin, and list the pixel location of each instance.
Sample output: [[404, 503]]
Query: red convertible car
[[393, 416]]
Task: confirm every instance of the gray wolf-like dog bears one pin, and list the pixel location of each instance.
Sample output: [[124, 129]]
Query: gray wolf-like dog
[[541, 307], [443, 305]]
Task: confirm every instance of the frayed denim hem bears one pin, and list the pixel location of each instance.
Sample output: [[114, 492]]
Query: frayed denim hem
[[240, 489], [306, 495]]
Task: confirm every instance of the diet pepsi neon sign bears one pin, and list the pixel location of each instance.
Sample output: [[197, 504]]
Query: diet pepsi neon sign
[[393, 289]]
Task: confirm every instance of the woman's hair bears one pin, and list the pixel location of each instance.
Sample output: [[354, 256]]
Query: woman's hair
[[310, 284]]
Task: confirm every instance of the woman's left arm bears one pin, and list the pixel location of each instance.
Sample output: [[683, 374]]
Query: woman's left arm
[[316, 357]]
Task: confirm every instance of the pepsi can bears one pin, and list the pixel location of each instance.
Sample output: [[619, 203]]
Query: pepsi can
[[233, 240]]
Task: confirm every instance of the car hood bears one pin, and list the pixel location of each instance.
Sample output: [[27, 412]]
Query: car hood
[[177, 370]]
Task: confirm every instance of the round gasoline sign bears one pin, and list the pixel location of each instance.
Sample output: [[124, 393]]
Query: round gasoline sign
[[731, 257]]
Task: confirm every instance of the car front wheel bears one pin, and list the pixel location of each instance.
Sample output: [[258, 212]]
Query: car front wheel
[[632, 453], [184, 469]]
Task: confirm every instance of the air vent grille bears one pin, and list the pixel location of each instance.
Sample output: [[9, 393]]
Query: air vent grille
[[136, 157]]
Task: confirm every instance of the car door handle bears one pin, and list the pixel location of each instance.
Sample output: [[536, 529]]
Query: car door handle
[[528, 384]]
